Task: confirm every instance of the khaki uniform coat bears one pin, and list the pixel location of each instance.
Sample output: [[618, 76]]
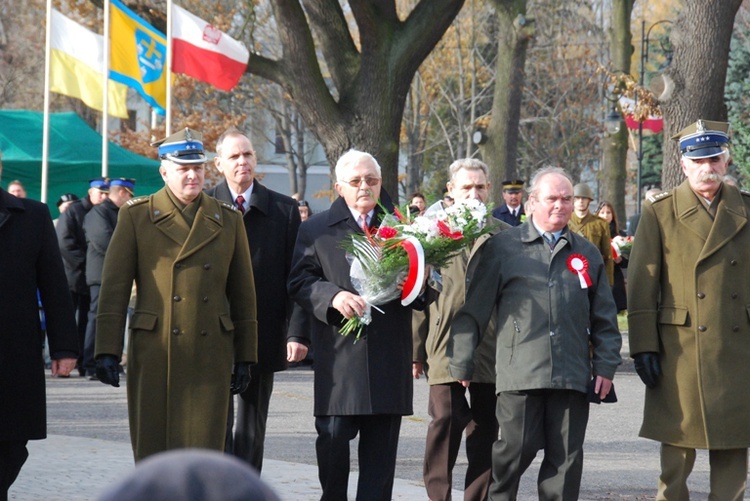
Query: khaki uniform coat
[[596, 230], [689, 301], [432, 327], [194, 317]]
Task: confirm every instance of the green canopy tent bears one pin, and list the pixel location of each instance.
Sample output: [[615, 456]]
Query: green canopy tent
[[75, 156]]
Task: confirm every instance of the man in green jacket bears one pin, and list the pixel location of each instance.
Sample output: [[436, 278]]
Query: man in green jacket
[[688, 320], [194, 329], [556, 326], [448, 406]]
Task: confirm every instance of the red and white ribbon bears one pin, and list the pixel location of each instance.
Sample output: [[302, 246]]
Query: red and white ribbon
[[578, 264], [415, 276], [615, 250]]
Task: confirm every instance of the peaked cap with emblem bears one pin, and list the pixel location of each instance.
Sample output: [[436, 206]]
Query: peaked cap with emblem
[[703, 139], [183, 147], [513, 185]]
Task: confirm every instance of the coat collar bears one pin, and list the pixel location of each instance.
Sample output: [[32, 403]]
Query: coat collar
[[260, 199], [529, 235], [8, 203], [209, 220], [340, 212], [731, 217], [495, 225]]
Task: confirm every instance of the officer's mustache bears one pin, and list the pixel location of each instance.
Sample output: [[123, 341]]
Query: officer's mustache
[[710, 176]]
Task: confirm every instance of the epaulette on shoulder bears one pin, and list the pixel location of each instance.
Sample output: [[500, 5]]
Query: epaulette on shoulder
[[228, 206], [659, 196], [745, 193], [138, 200]]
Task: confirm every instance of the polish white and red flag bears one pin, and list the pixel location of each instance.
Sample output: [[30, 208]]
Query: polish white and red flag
[[204, 52], [653, 123]]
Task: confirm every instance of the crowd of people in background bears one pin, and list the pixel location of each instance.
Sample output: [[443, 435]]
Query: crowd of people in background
[[198, 297]]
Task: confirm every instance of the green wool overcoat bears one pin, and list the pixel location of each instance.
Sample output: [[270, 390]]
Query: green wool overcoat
[[689, 301], [195, 315]]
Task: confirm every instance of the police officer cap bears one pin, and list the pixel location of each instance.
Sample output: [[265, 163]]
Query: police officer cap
[[703, 139], [100, 183], [583, 190], [128, 184], [67, 197], [513, 186], [183, 147]]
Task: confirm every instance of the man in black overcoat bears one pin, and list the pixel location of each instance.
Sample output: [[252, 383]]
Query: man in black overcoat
[[72, 241], [29, 262], [271, 222], [364, 387]]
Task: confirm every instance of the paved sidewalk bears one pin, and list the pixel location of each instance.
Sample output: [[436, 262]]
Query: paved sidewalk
[[88, 448], [78, 469]]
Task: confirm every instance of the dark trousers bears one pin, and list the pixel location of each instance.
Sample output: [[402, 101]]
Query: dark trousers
[[552, 420], [452, 414], [81, 304], [89, 344], [378, 444], [13, 455], [252, 414]]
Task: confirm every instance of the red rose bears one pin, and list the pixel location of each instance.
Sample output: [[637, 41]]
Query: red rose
[[386, 232]]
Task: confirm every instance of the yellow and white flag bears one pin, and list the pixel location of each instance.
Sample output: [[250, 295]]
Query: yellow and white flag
[[76, 62]]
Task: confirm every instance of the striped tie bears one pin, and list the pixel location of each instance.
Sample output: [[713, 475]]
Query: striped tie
[[240, 201]]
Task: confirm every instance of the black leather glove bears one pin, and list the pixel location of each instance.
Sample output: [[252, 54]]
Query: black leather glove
[[108, 370], [648, 367], [240, 377]]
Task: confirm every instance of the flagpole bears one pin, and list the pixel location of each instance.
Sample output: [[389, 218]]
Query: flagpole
[[45, 121], [105, 89], [169, 70]]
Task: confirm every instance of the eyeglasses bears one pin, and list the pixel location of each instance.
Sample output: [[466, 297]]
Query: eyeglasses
[[357, 182]]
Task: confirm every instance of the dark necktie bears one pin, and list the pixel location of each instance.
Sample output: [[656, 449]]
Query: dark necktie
[[240, 201], [550, 238]]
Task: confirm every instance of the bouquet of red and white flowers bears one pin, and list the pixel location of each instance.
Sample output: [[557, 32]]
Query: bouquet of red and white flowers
[[390, 262], [621, 246]]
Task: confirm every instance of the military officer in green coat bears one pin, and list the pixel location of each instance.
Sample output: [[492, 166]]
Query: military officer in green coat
[[592, 227], [688, 297], [194, 330]]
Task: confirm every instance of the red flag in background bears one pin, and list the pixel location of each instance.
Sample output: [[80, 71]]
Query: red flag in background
[[653, 123], [205, 53]]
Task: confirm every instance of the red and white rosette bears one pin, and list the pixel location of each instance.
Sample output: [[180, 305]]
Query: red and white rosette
[[579, 265], [415, 277]]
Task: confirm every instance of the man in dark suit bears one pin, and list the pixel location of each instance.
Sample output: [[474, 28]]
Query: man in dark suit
[[29, 262], [72, 241], [364, 387], [271, 222], [511, 211]]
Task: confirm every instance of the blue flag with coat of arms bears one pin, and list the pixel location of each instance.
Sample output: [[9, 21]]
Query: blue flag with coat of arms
[[138, 56]]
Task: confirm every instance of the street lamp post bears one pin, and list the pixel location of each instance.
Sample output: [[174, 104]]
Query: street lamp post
[[644, 59]]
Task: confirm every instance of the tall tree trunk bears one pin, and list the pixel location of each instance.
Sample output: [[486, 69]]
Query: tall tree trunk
[[694, 82], [360, 103], [500, 150], [614, 172]]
